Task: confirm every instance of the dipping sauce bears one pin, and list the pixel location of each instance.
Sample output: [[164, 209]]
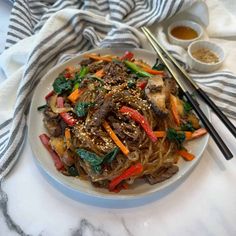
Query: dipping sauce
[[184, 32], [205, 55]]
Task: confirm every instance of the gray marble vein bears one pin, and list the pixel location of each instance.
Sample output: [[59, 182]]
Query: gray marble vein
[[126, 228], [85, 226], [4, 208]]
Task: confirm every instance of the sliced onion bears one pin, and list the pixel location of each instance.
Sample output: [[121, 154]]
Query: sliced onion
[[52, 103]]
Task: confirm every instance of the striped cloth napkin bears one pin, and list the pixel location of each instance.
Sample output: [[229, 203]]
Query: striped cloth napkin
[[44, 33]]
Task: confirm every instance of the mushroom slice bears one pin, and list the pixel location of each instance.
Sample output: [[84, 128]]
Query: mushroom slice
[[156, 95]]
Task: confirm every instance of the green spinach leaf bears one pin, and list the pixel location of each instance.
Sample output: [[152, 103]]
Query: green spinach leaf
[[109, 157], [90, 157], [187, 127], [81, 108], [73, 171], [174, 136], [187, 107], [61, 84]]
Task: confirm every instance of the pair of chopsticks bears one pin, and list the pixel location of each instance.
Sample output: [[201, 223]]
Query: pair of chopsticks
[[164, 55]]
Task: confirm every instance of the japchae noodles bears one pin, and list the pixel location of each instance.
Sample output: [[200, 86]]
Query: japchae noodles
[[114, 119]]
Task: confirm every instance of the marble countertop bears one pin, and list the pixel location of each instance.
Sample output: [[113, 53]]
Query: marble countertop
[[204, 203]]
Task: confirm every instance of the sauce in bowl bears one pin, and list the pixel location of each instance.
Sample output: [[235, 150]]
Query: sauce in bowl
[[184, 33]]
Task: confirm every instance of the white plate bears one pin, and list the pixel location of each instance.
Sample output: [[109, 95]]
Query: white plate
[[75, 187]]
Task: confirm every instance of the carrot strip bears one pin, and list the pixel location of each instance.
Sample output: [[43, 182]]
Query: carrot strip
[[188, 135], [160, 134], [153, 72], [116, 140], [98, 58], [68, 137], [73, 97], [174, 109], [198, 133], [186, 155], [148, 68], [99, 73]]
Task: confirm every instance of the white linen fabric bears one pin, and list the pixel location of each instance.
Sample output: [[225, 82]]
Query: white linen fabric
[[44, 33]]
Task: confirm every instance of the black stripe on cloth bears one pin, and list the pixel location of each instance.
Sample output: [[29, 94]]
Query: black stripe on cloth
[[220, 74], [20, 24], [11, 138], [4, 134], [90, 36], [220, 99], [179, 7], [25, 7], [20, 30], [158, 12], [227, 111], [25, 15], [142, 11], [170, 10], [220, 82], [223, 91], [3, 142], [48, 14], [104, 28], [9, 161], [5, 123], [98, 10]]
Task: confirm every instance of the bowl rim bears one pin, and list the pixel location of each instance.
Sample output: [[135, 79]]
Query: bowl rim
[[176, 23], [221, 59]]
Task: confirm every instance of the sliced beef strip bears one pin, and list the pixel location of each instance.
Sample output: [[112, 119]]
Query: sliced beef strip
[[53, 127], [115, 73], [164, 172], [94, 67], [86, 62], [101, 113]]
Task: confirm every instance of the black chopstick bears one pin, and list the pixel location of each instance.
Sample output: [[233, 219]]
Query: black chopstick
[[201, 93], [218, 140]]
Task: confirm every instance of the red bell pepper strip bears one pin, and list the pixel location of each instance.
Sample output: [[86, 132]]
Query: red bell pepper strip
[[136, 116], [69, 119], [49, 95], [56, 159], [131, 171], [127, 56], [142, 84], [67, 75]]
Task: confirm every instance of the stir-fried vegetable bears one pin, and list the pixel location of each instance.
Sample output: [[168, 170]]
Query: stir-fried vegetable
[[177, 137], [186, 155], [73, 97], [81, 108], [61, 84], [127, 56], [56, 159], [131, 171], [137, 69], [136, 116], [116, 140], [41, 108]]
